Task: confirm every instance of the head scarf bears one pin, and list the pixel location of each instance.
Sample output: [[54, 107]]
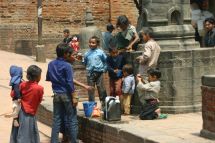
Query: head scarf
[[15, 74]]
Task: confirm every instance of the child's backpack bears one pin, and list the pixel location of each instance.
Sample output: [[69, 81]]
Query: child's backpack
[[112, 111]]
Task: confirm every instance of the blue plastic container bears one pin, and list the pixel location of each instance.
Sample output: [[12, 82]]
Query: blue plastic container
[[88, 108]]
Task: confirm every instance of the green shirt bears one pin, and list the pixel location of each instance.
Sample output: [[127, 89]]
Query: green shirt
[[123, 38]]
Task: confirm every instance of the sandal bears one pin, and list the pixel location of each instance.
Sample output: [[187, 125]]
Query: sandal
[[162, 116]]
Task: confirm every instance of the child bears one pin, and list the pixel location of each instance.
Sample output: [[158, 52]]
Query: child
[[115, 63], [128, 35], [66, 34], [74, 44], [151, 108], [32, 94], [60, 74], [128, 87], [16, 79], [95, 62], [107, 36], [151, 52]]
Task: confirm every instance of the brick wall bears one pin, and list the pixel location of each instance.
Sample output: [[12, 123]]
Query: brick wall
[[93, 130], [98, 131], [124, 7], [58, 14], [18, 20], [208, 106], [80, 75]]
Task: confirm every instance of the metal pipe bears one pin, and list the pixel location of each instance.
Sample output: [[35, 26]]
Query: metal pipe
[[39, 14]]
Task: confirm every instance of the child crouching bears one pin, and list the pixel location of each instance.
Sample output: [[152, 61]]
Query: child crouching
[[150, 109]]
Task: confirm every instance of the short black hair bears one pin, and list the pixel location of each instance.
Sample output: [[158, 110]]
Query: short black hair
[[128, 68], [111, 49], [148, 31], [154, 72], [33, 72], [122, 20], [110, 27], [210, 20], [66, 31], [62, 49], [77, 36], [96, 38]]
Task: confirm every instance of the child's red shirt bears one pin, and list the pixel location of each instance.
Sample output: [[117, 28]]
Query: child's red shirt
[[32, 94]]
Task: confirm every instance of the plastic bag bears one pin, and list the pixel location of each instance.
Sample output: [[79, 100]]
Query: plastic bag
[[96, 112]]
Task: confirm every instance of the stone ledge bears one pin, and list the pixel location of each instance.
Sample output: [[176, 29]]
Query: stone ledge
[[208, 80], [93, 130], [207, 134]]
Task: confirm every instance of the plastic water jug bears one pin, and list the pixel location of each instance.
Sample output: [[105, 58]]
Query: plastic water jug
[[112, 109]]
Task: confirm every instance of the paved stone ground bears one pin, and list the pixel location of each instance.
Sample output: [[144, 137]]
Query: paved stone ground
[[181, 128], [7, 59]]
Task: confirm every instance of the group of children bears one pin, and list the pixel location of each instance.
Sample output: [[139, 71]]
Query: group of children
[[27, 95], [122, 80]]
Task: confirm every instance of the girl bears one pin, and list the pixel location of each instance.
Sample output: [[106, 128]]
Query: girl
[[32, 94]]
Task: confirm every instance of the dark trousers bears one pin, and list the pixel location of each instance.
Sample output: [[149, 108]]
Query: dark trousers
[[96, 78], [64, 113], [148, 110]]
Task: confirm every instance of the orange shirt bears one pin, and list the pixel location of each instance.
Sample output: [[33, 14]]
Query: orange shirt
[[32, 94]]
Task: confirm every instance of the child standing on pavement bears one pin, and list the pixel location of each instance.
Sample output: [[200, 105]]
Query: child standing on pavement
[[95, 62], [128, 87], [115, 63], [16, 78], [150, 109], [32, 94]]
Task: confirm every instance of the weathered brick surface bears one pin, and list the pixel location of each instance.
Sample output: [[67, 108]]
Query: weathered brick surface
[[58, 14], [18, 20], [208, 108], [123, 7]]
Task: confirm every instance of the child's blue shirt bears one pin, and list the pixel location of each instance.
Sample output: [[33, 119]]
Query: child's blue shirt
[[128, 85], [95, 61]]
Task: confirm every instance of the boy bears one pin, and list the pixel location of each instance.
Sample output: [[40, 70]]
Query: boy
[[128, 87], [151, 90], [151, 52], [128, 35], [66, 34], [210, 35], [95, 62], [107, 36], [61, 76], [115, 63]]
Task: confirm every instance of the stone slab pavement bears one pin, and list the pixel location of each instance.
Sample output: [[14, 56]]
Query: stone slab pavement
[[8, 59], [180, 128]]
